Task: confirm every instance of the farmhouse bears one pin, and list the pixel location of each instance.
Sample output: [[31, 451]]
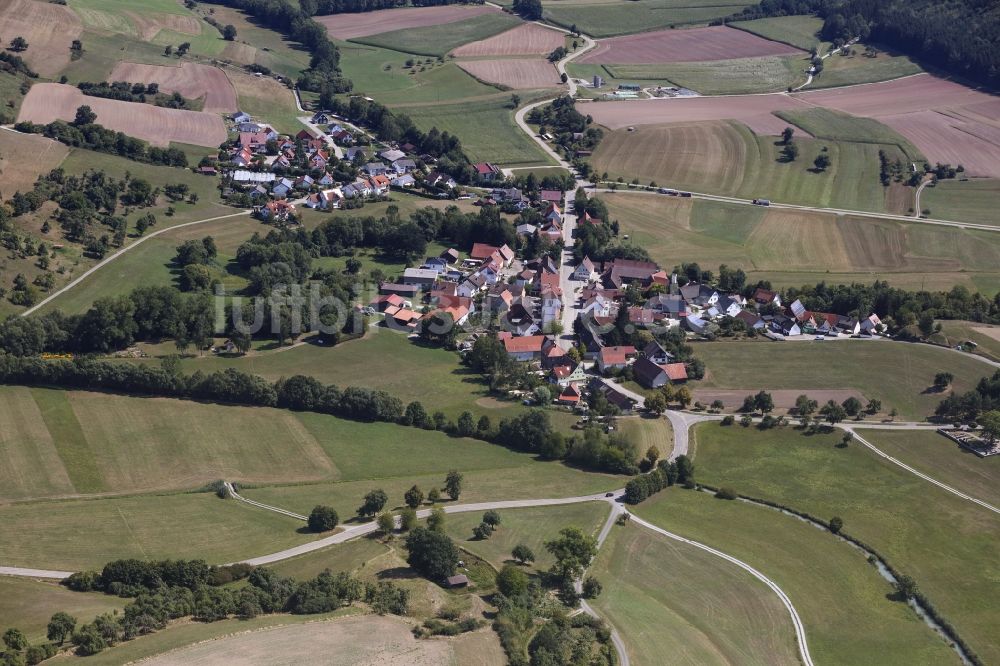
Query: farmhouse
[[420, 277], [615, 358], [487, 171], [654, 375], [526, 347]]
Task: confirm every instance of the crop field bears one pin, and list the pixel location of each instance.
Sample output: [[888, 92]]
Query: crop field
[[193, 80], [897, 374], [390, 20], [28, 604], [835, 126], [48, 28], [942, 459], [848, 70], [948, 549], [693, 45], [47, 102], [531, 527], [755, 111], [368, 639], [607, 18], [382, 74], [942, 118], [793, 248], [526, 39], [516, 73], [439, 39], [727, 158], [802, 32], [670, 598], [503, 144], [24, 157], [843, 601], [970, 201]]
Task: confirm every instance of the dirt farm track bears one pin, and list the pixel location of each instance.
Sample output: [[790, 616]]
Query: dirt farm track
[[948, 122], [47, 102], [193, 80], [694, 45]]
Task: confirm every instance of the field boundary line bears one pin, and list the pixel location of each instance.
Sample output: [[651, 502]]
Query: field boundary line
[[800, 631], [107, 260], [939, 484], [260, 505]]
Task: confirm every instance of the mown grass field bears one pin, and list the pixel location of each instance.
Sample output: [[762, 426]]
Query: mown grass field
[[968, 201], [603, 18], [896, 373], [839, 70], [793, 248], [841, 598], [28, 604], [86, 533], [531, 527], [955, 332], [798, 31], [670, 598], [836, 126], [945, 543], [938, 457], [438, 40], [76, 442], [646, 432], [728, 158], [349, 556], [382, 74], [486, 128]]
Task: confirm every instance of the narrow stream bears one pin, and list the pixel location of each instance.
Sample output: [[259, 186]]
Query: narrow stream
[[883, 571]]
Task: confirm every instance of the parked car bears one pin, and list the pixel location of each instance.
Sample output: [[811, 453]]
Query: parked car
[[820, 338]]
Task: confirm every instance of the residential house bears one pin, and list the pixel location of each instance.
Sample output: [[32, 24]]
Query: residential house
[[450, 255], [569, 373], [487, 171], [799, 310], [304, 183], [406, 180], [766, 297], [654, 375], [385, 301], [282, 187], [751, 319], [553, 214], [870, 324], [241, 117], [342, 137], [584, 271], [278, 210], [655, 352], [848, 325], [570, 395], [526, 347], [551, 196], [253, 141], [472, 285], [404, 166], [621, 272], [392, 155], [326, 180], [673, 306], [615, 358], [526, 229], [508, 195], [420, 277], [375, 169], [441, 180], [483, 252], [519, 318], [724, 306], [281, 162], [243, 177], [319, 159], [359, 188], [784, 325], [613, 395], [696, 324], [551, 298], [321, 118], [409, 291], [354, 152], [242, 157]]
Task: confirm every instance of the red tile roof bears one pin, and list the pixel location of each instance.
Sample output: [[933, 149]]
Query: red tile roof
[[675, 371], [616, 355], [525, 343]]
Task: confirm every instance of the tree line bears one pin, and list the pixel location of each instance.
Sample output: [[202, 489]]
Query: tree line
[[85, 132], [322, 7], [142, 93]]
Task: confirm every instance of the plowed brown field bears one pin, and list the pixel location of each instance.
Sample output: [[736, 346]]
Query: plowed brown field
[[24, 157], [752, 110], [47, 102], [694, 45], [527, 39], [48, 28], [192, 80], [514, 73], [148, 25], [349, 26]]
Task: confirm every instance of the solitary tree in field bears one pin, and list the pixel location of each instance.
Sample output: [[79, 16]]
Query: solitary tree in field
[[414, 497], [168, 49], [492, 518], [942, 380], [18, 44], [522, 554], [60, 627], [453, 484], [836, 524], [373, 503], [183, 48], [790, 152], [786, 135], [822, 162], [229, 33], [323, 519], [515, 101]]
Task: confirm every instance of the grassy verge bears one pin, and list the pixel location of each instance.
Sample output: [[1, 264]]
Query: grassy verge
[[965, 200]]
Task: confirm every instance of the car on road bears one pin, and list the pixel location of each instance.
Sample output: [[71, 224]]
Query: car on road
[[761, 202], [669, 192], [609, 494], [820, 338], [686, 194]]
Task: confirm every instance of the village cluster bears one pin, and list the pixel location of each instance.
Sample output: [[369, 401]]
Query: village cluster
[[261, 160]]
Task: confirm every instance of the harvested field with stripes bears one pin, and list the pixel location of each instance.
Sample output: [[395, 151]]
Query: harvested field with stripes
[[694, 45], [349, 26], [47, 102], [48, 28], [527, 39], [518, 74], [192, 80]]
